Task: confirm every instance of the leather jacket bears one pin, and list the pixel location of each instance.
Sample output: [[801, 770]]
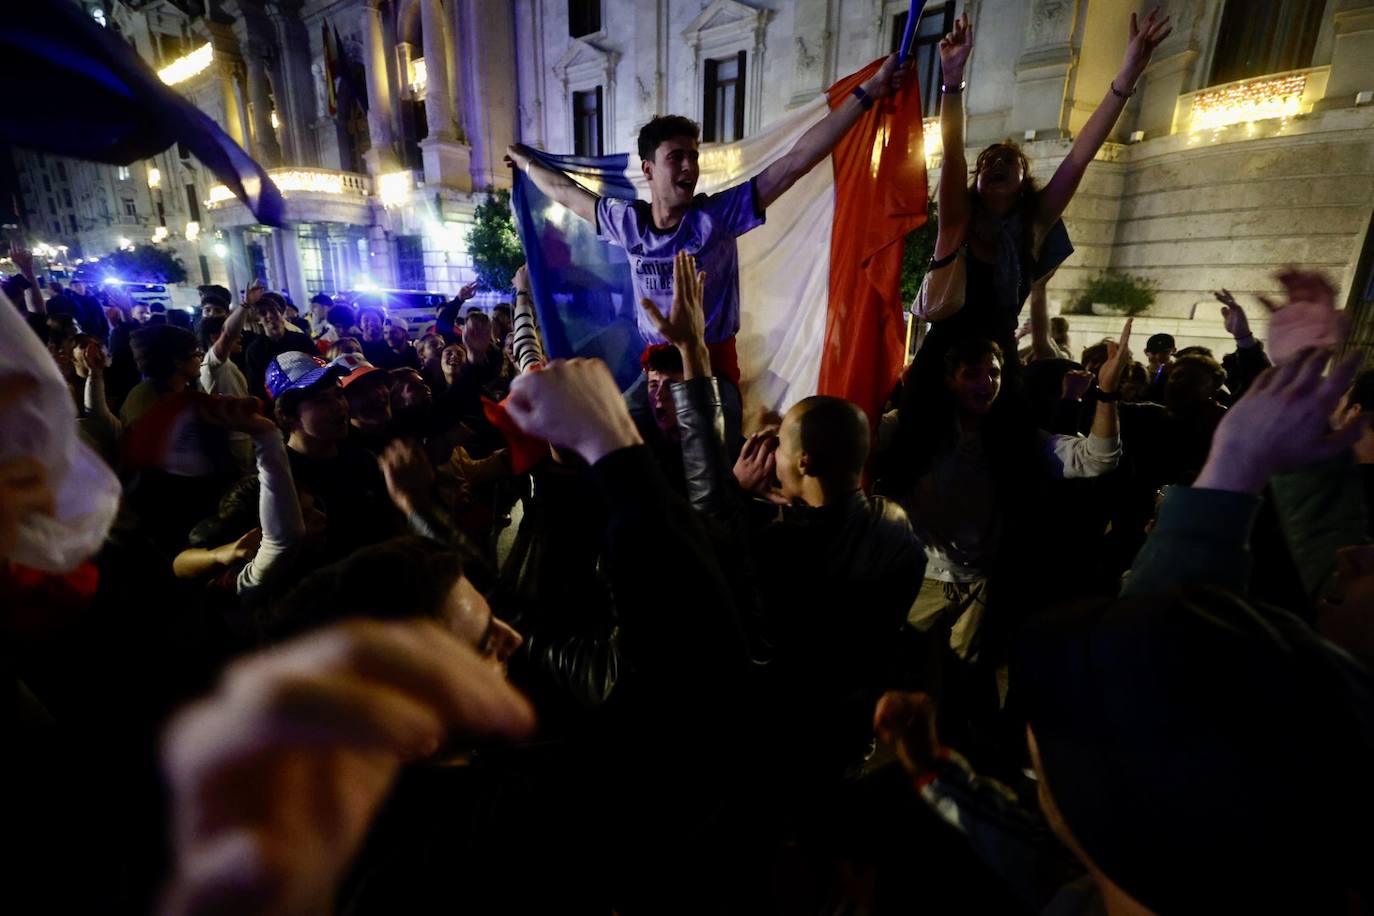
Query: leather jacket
[[834, 583]]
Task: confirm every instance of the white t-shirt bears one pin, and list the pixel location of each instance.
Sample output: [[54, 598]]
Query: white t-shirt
[[222, 377]]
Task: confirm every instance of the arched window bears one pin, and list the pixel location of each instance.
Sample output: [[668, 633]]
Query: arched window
[[1258, 37]]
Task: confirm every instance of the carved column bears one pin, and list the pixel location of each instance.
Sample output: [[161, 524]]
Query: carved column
[[295, 86], [381, 158], [233, 115], [265, 147], [438, 102]]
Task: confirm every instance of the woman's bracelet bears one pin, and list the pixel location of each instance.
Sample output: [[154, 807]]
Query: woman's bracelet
[[1118, 93]]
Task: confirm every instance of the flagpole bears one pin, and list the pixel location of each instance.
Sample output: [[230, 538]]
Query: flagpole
[[912, 17]]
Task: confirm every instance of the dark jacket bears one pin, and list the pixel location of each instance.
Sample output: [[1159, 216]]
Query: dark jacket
[[263, 350], [834, 583]]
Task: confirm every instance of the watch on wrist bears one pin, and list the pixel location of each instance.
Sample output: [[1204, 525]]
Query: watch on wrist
[[864, 98], [947, 89]]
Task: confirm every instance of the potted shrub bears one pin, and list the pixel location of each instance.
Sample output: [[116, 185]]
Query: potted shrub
[[1113, 292]]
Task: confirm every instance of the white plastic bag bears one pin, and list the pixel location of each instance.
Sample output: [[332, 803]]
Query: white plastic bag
[[44, 426]]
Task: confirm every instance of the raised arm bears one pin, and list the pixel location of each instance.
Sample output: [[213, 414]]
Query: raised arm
[[233, 325], [1145, 37], [1105, 425], [525, 345], [554, 183], [953, 190], [816, 143], [1041, 347], [23, 259]]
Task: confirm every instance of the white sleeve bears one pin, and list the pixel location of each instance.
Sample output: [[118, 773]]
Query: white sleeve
[[1080, 456], [279, 512]]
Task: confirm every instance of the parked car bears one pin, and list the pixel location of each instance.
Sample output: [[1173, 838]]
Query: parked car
[[414, 307]]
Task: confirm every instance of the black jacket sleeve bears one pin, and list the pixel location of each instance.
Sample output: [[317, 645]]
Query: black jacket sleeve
[[677, 614]]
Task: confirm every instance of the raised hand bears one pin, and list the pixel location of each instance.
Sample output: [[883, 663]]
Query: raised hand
[[521, 280], [1282, 424], [467, 292], [1076, 384], [954, 50], [254, 292], [906, 722], [275, 778], [889, 78], [23, 259], [756, 467], [409, 475], [574, 404], [1310, 318], [1145, 37], [685, 326], [1233, 316], [518, 156], [1118, 358]]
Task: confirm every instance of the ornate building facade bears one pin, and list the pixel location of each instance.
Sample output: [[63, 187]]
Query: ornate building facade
[[1249, 143], [382, 121]]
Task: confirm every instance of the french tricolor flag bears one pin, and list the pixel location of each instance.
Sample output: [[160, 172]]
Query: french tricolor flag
[[820, 309]]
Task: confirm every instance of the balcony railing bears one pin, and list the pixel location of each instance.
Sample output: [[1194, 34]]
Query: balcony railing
[[304, 181], [1276, 96]]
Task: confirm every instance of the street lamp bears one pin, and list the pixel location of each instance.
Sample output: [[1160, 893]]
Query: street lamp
[[222, 252]]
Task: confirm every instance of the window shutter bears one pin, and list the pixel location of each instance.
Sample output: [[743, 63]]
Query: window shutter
[[739, 100], [708, 108]]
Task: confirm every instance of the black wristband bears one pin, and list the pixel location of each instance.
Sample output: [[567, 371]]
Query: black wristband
[[1108, 397], [1118, 93], [864, 98]]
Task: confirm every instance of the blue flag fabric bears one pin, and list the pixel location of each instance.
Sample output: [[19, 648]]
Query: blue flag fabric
[[582, 290], [112, 108]]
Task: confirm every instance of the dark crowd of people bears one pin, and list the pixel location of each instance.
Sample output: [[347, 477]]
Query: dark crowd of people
[[375, 624]]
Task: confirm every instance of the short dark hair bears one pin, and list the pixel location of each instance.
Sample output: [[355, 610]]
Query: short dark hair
[[1205, 364], [665, 127], [970, 351], [209, 331], [340, 316], [273, 300], [1196, 351], [834, 434], [1097, 353], [159, 347], [1059, 321], [476, 313], [503, 307], [371, 310], [236, 514], [217, 294], [1158, 343], [663, 359], [399, 579], [322, 299]]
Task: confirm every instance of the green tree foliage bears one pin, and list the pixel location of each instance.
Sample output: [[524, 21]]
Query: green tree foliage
[[145, 264], [1131, 294], [920, 246], [493, 244]]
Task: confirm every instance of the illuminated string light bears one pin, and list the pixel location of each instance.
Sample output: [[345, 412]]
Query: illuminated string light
[[183, 68], [1247, 102], [159, 233], [313, 181]]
